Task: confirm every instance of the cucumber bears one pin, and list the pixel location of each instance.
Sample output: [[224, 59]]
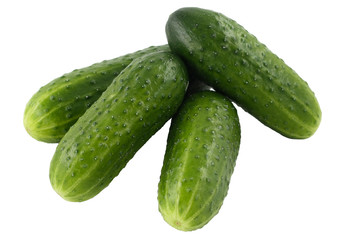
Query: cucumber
[[201, 152], [232, 61], [57, 106], [139, 101]]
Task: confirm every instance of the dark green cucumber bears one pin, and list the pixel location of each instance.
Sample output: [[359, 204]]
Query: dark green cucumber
[[139, 101], [232, 61], [202, 148], [57, 106]]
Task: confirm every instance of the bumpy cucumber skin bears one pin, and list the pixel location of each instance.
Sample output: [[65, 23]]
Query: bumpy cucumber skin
[[57, 106], [135, 106], [231, 60], [201, 152]]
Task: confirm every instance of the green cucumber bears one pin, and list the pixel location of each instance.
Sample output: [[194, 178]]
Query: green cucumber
[[232, 61], [139, 101], [201, 152], [57, 106]]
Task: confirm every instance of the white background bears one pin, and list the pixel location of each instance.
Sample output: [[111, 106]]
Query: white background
[[280, 189]]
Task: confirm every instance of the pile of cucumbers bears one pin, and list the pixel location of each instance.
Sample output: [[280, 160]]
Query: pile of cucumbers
[[103, 114]]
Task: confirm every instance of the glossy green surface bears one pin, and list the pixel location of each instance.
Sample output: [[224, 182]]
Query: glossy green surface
[[232, 61], [140, 100], [57, 106], [202, 148]]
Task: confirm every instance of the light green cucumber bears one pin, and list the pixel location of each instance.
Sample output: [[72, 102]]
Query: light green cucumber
[[232, 61], [201, 152], [139, 101], [57, 106]]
